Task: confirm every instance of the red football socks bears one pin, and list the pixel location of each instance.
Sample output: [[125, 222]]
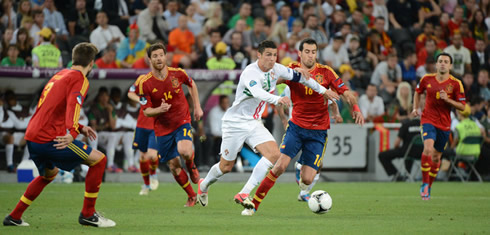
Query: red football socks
[[92, 186], [434, 169], [426, 163], [184, 182], [145, 168], [190, 163], [264, 187], [33, 190], [153, 166]]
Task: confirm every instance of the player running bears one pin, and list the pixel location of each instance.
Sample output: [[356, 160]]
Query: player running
[[162, 97], [242, 122], [51, 135], [443, 92], [307, 129], [145, 142]]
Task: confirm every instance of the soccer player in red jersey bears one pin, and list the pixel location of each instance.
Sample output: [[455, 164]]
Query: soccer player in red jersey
[[51, 135], [145, 141], [307, 129], [443, 92], [162, 97]]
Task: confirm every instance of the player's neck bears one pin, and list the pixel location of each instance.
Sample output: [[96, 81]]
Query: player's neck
[[160, 74], [442, 77], [83, 70], [308, 68]]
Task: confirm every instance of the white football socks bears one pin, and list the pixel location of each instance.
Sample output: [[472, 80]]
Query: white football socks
[[305, 189], [9, 154], [258, 174], [213, 175]]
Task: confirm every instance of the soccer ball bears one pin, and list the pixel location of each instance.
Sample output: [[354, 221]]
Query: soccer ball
[[320, 202]]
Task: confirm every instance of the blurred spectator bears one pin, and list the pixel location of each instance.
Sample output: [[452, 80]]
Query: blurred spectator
[[345, 33], [334, 24], [374, 44], [386, 77], [460, 54], [314, 8], [26, 23], [329, 6], [143, 63], [335, 54], [183, 40], [55, 20], [297, 28], [243, 14], [313, 29], [9, 17], [37, 5], [12, 59], [238, 52], [152, 24], [408, 67], [428, 67], [80, 23], [220, 61], [427, 33], [108, 59], [478, 27], [469, 87], [240, 27], [430, 50], [214, 119], [288, 50], [194, 20], [469, 7], [467, 127], [367, 14], [46, 55], [215, 18], [270, 17], [202, 6], [37, 26], [480, 58], [402, 105], [24, 44], [6, 38], [386, 42], [380, 10], [440, 38], [279, 33], [208, 47], [105, 34], [257, 34], [359, 27], [102, 119], [131, 48], [371, 104], [24, 9], [403, 13], [172, 15], [117, 12], [285, 14], [483, 82], [468, 40], [456, 20], [429, 11], [362, 61]]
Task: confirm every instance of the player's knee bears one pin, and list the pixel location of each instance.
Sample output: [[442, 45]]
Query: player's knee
[[226, 167], [50, 174], [307, 180], [96, 157], [279, 169], [186, 153]]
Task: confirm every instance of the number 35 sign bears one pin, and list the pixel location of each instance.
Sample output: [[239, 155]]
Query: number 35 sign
[[346, 147]]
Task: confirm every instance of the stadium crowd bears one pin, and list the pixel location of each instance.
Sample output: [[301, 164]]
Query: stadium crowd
[[379, 48]]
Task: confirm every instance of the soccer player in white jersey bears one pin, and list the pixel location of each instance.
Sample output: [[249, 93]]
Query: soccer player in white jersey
[[242, 122]]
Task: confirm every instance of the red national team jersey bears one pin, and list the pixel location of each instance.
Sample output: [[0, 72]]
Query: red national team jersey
[[437, 111], [152, 91], [58, 109], [309, 110], [143, 121]]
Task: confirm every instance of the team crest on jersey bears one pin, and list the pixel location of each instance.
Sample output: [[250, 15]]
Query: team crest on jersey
[[253, 83], [449, 88], [227, 152], [175, 82], [80, 99], [319, 78], [272, 76], [143, 101]]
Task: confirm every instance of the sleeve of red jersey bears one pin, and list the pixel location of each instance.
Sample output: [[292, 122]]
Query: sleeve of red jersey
[[459, 93], [144, 94], [421, 86], [337, 83], [76, 96], [184, 78]]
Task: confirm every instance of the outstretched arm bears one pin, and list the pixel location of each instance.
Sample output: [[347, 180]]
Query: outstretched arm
[[195, 99]]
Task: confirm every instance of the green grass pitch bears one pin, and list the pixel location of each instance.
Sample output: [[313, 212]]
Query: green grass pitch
[[358, 208]]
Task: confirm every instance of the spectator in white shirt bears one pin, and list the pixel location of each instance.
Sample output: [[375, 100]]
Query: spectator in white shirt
[[334, 55], [371, 104], [146, 20], [172, 15], [461, 56], [105, 34]]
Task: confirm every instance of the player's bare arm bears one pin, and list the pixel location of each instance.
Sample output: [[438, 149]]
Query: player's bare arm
[[352, 101], [152, 112], [195, 99], [453, 103], [88, 132], [416, 109], [63, 141], [133, 96]]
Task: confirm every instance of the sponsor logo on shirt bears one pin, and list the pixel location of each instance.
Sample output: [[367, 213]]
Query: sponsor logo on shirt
[[253, 83]]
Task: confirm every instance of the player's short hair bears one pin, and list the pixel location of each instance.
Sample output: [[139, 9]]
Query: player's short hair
[[445, 54], [307, 41], [266, 44], [154, 47], [84, 53], [222, 97]]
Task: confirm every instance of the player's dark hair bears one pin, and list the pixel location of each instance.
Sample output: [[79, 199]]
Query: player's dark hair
[[154, 47], [222, 97], [266, 44], [84, 53], [307, 41], [445, 54]]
